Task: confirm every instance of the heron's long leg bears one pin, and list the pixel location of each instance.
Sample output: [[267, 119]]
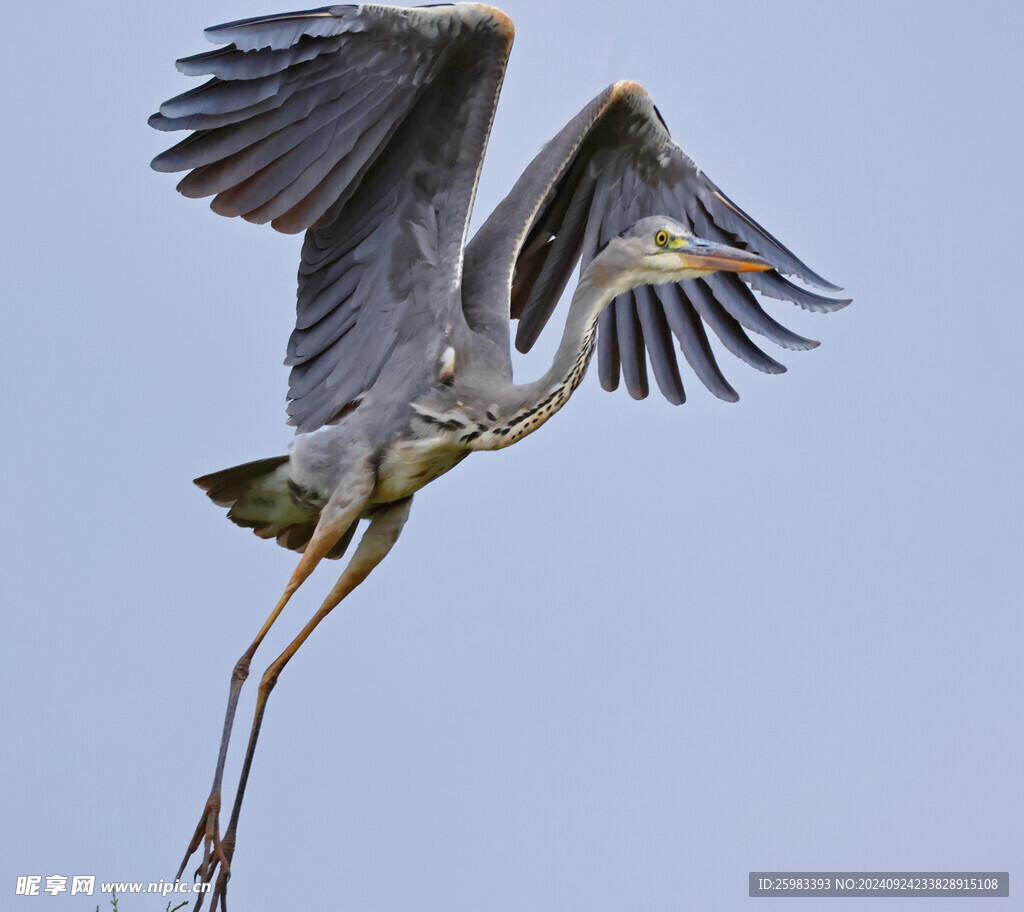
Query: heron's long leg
[[337, 520], [325, 538], [385, 527]]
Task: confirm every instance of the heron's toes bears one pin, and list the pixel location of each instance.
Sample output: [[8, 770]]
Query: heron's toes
[[216, 858]]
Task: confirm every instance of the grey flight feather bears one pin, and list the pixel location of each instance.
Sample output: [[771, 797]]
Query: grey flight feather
[[693, 340], [727, 328], [608, 352], [630, 336], [658, 339]]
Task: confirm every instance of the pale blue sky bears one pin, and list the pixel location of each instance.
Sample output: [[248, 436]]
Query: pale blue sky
[[616, 666]]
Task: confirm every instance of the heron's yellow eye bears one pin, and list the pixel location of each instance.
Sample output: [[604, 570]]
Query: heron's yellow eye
[[661, 238]]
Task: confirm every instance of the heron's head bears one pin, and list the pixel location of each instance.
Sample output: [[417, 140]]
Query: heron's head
[[658, 249]]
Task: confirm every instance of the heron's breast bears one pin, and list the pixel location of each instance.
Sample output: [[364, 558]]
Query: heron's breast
[[410, 464]]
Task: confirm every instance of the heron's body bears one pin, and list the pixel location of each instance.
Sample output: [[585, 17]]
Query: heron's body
[[423, 416], [444, 414], [365, 127]]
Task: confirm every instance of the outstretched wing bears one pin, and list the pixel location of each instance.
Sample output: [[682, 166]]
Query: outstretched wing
[[613, 164], [366, 127]]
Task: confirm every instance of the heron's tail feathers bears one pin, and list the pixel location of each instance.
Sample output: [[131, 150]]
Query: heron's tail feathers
[[261, 496]]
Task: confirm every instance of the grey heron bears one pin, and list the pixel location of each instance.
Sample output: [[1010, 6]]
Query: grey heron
[[365, 127]]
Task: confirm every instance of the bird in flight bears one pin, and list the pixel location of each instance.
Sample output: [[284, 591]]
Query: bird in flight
[[365, 127]]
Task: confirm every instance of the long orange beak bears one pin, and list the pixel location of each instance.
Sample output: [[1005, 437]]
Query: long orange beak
[[707, 255]]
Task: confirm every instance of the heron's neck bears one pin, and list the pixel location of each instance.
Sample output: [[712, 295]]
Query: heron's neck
[[529, 405], [577, 343]]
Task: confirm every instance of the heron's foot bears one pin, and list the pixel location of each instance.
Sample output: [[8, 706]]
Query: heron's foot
[[216, 853]]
